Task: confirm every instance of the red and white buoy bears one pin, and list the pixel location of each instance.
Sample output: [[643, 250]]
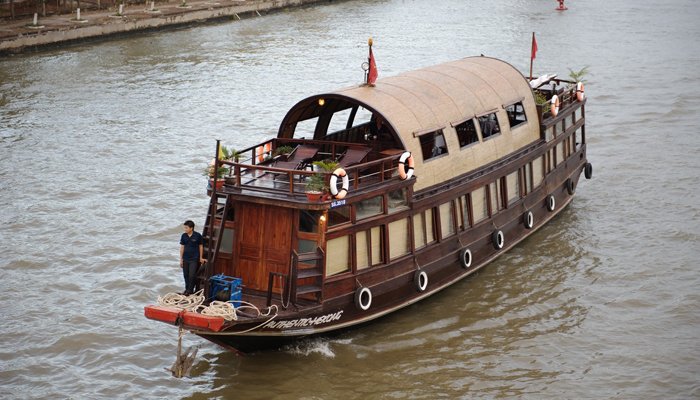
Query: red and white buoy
[[561, 7]]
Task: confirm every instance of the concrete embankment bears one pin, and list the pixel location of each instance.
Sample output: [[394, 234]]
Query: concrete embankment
[[56, 30]]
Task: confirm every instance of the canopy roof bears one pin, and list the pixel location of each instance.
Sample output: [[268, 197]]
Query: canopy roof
[[432, 98]]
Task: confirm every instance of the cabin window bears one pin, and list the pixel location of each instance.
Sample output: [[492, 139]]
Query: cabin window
[[306, 128], [537, 171], [376, 247], [430, 226], [227, 241], [399, 235], [338, 255], [447, 221], [516, 114], [561, 152], [527, 174], [479, 205], [339, 120], [489, 125], [308, 221], [369, 207], [362, 246], [419, 230], [496, 197], [397, 200], [433, 144], [562, 130], [306, 246], [513, 186], [338, 215], [549, 133], [466, 133], [363, 116], [465, 206]]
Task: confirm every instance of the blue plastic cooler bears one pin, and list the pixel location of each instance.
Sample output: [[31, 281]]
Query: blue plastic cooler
[[225, 288]]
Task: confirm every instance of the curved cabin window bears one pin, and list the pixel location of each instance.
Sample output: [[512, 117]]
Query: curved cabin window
[[466, 133], [516, 114], [489, 125], [432, 144], [369, 207], [338, 255], [397, 200], [398, 238]]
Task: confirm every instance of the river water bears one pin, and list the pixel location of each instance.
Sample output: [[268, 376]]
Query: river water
[[102, 148]]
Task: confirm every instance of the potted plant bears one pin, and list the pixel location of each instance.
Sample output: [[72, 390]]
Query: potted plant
[[219, 173], [316, 187], [282, 150]]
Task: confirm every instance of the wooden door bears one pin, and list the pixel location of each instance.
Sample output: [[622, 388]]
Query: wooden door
[[263, 244]]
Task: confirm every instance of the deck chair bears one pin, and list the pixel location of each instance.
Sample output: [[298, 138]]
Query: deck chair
[[297, 159], [353, 156]]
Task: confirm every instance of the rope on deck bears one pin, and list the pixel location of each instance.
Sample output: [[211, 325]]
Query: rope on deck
[[216, 308]]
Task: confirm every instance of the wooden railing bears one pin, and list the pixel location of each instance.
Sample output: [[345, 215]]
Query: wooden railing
[[249, 174]]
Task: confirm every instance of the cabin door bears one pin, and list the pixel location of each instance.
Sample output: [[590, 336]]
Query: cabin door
[[263, 244]]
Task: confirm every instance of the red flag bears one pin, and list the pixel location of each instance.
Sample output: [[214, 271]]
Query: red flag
[[372, 74], [534, 47]]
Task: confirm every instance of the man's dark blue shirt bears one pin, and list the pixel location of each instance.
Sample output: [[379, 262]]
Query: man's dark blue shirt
[[191, 244]]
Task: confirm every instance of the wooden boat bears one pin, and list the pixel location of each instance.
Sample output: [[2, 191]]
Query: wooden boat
[[440, 171]]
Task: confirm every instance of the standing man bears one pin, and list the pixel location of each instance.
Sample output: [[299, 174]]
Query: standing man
[[191, 252]]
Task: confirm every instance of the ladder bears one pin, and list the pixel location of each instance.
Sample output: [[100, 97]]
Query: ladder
[[212, 234]]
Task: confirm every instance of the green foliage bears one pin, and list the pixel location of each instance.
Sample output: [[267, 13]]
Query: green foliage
[[220, 172], [577, 76], [282, 150], [326, 165], [541, 100], [316, 183], [229, 154]]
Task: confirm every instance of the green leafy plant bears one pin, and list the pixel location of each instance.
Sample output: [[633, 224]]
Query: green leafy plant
[[541, 100], [229, 154], [316, 183], [326, 165], [282, 150], [220, 172], [577, 76]]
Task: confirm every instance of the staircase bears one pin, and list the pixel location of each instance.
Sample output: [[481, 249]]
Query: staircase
[[307, 278]]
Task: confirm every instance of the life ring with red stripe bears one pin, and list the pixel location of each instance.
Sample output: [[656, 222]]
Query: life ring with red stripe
[[406, 166], [339, 173], [554, 105], [580, 93], [263, 151]]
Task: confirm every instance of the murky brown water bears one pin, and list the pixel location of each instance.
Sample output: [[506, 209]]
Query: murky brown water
[[101, 151]]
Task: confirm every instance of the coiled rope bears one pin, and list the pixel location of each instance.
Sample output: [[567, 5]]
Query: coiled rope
[[181, 301], [216, 308]]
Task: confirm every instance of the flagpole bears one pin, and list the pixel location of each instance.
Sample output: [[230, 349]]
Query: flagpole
[[531, 53]]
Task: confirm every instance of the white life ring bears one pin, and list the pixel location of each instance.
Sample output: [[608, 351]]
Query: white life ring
[[466, 258], [551, 203], [363, 298], [339, 173], [580, 93], [554, 105], [498, 239], [420, 279], [529, 220], [406, 166]]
